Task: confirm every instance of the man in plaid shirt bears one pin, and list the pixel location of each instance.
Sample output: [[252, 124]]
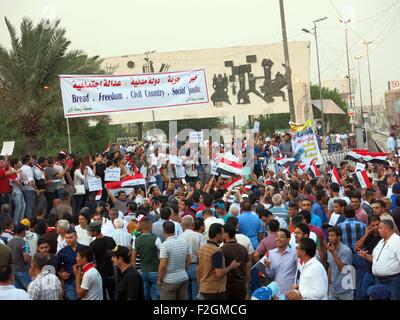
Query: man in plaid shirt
[[46, 285]]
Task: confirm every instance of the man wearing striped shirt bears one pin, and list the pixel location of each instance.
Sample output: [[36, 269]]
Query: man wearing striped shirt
[[174, 262]]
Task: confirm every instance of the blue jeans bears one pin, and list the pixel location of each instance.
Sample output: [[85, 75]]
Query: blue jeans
[[19, 207], [254, 279], [22, 280], [368, 281], [393, 284], [30, 201], [159, 182], [193, 284], [70, 291], [360, 266], [79, 202], [150, 285]]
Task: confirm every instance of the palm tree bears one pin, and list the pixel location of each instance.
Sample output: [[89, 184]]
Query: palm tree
[[29, 71]]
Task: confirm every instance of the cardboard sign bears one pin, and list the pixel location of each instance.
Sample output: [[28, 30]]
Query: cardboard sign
[[112, 174], [94, 184], [8, 148]]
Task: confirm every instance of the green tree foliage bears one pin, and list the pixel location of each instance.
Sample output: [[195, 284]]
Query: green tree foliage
[[30, 100], [338, 123], [271, 123]]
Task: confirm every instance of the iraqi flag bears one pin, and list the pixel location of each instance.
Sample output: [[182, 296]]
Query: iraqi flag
[[98, 195], [229, 168], [313, 170], [373, 157], [233, 184], [126, 184], [284, 162], [363, 179], [335, 176]]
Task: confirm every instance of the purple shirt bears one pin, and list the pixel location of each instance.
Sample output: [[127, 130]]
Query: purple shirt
[[283, 268], [267, 244]]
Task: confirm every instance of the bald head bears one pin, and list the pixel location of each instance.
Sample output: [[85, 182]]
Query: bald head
[[187, 222]]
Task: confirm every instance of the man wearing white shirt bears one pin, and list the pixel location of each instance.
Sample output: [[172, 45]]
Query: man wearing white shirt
[[108, 228], [210, 219], [386, 258], [28, 186], [313, 284], [7, 290]]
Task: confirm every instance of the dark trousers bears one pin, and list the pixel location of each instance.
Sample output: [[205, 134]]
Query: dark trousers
[[109, 287], [214, 296], [236, 292], [50, 196]]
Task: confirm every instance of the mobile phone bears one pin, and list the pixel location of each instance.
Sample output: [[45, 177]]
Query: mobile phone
[[183, 181]]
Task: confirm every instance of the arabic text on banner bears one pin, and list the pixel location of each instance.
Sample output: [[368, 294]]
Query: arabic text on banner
[[91, 95], [303, 137]]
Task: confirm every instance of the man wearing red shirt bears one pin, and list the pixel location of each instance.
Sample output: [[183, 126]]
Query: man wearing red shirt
[[5, 188]]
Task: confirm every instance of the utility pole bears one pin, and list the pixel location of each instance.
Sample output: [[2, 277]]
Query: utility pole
[[319, 72], [364, 124], [287, 63], [369, 76]]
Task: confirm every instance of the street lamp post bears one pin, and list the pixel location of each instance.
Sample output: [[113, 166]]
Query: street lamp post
[[319, 71], [287, 63]]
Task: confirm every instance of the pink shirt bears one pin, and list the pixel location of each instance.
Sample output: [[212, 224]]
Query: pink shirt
[[362, 216], [267, 244]]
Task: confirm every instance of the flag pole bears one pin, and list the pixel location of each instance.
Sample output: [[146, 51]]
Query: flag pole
[[69, 137]]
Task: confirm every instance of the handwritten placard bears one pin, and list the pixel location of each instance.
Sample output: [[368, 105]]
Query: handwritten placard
[[112, 174], [256, 127], [8, 148], [94, 184], [196, 137]]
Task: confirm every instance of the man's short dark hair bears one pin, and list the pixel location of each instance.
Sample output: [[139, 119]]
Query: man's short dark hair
[[215, 229], [5, 273], [349, 212], [273, 225], [246, 205], [320, 194], [342, 203], [169, 227], [165, 213], [86, 252], [230, 230], [304, 228], [286, 232], [233, 221], [381, 203], [336, 230], [334, 187], [355, 195], [306, 215], [296, 220], [309, 246], [43, 240], [198, 223], [208, 200], [70, 231], [293, 204], [373, 218]]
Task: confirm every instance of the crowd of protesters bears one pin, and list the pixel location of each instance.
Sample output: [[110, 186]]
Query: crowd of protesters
[[187, 234]]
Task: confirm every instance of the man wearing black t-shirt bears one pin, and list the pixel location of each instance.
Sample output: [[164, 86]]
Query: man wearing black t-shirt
[[101, 245], [129, 281], [368, 242]]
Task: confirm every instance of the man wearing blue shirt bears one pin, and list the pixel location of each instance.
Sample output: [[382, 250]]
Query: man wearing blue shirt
[[315, 220], [250, 225], [318, 206]]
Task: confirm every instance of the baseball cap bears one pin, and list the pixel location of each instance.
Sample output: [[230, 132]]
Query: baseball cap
[[26, 223], [379, 292], [94, 226], [120, 252]]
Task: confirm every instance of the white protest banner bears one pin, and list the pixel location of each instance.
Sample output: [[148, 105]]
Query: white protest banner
[[92, 95], [8, 148], [94, 184], [196, 137], [256, 127], [112, 174], [360, 166], [304, 143]]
